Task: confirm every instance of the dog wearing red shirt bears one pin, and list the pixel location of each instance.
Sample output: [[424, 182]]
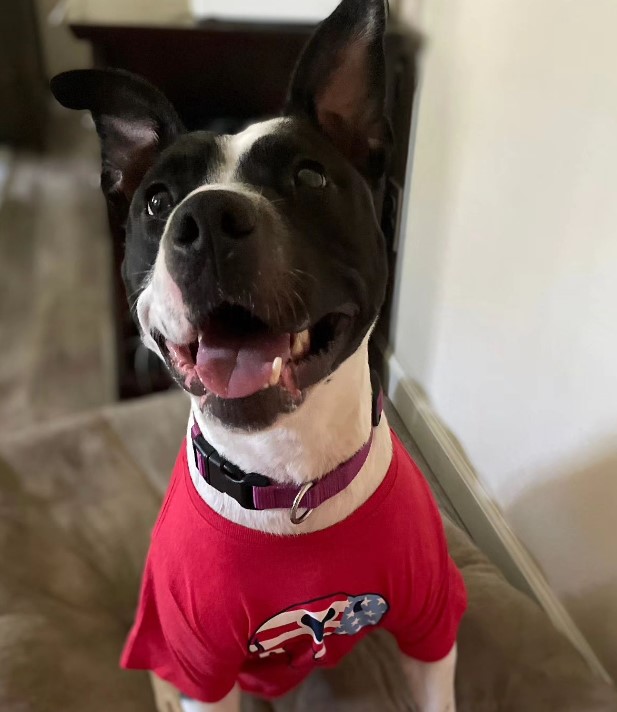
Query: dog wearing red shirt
[[295, 522]]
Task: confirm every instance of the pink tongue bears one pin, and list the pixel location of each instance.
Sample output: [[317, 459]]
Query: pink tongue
[[237, 365]]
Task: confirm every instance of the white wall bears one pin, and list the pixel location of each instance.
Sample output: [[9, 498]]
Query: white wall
[[407, 10], [507, 296], [61, 51]]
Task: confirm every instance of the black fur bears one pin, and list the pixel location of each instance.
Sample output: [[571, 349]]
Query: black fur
[[359, 128], [134, 120], [313, 252]]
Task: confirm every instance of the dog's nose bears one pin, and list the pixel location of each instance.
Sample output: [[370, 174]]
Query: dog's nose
[[213, 215]]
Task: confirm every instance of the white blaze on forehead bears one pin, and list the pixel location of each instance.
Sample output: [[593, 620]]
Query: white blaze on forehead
[[233, 148], [236, 147], [161, 305]]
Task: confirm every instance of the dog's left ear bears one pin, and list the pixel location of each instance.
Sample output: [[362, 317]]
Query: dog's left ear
[[134, 120], [340, 83]]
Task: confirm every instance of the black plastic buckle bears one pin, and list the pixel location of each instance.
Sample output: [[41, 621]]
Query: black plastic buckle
[[227, 478]]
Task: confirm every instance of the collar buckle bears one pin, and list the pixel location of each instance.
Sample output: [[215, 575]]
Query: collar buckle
[[224, 476]]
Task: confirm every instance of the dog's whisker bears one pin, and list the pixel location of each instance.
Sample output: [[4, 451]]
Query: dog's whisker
[[299, 273], [130, 297], [301, 302]]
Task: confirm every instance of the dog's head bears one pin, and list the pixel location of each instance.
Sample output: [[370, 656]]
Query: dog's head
[[255, 262]]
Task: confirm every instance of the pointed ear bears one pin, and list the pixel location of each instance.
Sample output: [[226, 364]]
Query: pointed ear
[[340, 83], [135, 122]]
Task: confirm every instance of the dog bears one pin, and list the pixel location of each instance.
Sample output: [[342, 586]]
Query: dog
[[294, 522]]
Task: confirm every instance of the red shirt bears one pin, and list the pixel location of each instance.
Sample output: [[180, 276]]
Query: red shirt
[[221, 603]]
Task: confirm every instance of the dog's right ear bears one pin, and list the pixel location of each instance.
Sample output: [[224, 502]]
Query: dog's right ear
[[134, 120], [340, 83]]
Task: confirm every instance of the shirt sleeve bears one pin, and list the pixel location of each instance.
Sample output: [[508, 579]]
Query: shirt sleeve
[[176, 651], [434, 596], [433, 634]]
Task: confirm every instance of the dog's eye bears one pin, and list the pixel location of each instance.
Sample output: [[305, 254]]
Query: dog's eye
[[310, 175], [159, 202]]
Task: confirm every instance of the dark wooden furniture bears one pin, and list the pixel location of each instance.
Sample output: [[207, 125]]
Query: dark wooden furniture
[[23, 97], [222, 76]]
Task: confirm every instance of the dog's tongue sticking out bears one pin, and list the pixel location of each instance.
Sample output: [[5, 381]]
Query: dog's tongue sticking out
[[236, 359], [235, 365]]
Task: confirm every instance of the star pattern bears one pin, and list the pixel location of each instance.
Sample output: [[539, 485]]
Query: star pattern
[[361, 612]]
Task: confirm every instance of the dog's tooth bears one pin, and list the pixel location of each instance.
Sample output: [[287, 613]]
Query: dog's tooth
[[277, 369], [301, 344]]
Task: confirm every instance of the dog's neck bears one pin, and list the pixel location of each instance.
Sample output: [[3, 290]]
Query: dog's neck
[[332, 424]]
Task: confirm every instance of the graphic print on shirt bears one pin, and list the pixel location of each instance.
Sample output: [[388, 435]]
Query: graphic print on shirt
[[300, 631]]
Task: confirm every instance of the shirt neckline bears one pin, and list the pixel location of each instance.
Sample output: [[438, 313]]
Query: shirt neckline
[[246, 534]]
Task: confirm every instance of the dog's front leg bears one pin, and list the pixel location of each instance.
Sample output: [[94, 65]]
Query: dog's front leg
[[432, 684], [230, 704], [168, 699]]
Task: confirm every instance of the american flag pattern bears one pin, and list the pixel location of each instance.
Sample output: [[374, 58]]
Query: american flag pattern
[[301, 630]]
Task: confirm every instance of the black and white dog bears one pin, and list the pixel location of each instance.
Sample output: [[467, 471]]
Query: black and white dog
[[257, 269]]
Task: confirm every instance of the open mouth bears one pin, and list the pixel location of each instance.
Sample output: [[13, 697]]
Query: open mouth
[[237, 355]]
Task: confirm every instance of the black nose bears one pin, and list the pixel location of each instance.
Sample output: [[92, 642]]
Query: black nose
[[213, 215]]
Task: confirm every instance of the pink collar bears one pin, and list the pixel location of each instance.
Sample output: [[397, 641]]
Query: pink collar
[[256, 492]]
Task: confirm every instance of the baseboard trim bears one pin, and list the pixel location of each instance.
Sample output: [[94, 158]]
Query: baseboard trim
[[481, 516]]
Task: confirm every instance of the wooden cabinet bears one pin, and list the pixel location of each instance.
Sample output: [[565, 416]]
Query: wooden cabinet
[[23, 97]]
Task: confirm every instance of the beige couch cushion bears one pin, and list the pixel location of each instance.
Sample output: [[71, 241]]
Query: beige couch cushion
[[77, 501]]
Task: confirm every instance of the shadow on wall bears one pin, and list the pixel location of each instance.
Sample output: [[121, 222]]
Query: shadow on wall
[[446, 457], [430, 199], [567, 524], [570, 524]]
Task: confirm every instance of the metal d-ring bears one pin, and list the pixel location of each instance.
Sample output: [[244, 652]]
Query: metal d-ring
[[293, 515]]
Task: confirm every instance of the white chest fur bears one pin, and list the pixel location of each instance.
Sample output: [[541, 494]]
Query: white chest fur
[[330, 427]]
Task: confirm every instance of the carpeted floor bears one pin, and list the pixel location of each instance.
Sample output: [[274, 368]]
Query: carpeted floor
[[57, 355]]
